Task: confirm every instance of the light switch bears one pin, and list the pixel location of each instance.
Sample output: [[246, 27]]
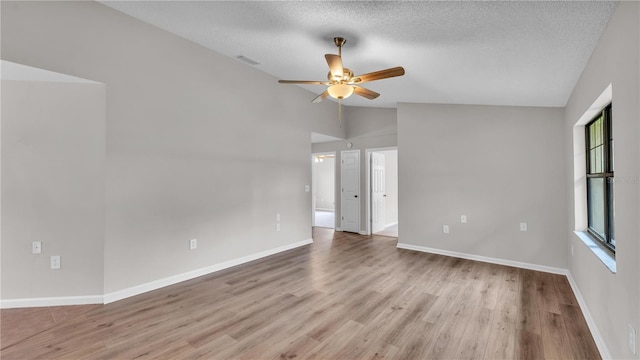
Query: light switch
[[36, 247]]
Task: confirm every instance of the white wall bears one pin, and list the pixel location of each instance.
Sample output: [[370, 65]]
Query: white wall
[[198, 145], [53, 163], [363, 122], [613, 300], [499, 166]]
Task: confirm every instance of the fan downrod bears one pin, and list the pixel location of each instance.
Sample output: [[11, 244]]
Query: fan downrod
[[339, 41]]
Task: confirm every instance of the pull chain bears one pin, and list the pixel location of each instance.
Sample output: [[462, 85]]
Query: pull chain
[[340, 111]]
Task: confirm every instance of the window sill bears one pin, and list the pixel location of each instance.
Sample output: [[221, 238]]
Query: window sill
[[607, 258]]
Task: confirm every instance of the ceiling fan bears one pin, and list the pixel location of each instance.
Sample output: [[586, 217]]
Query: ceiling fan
[[341, 81]]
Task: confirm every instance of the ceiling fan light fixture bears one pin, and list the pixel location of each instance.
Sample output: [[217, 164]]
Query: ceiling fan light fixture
[[340, 91]]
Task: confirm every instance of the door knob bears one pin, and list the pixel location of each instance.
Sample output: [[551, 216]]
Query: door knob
[[385, 195], [355, 195]]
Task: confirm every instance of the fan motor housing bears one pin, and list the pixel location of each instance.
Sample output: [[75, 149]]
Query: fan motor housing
[[347, 74]]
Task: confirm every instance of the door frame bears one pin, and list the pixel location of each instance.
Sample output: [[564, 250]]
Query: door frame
[[368, 183], [313, 186]]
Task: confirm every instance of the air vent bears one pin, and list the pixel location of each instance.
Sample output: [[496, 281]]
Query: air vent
[[247, 60]]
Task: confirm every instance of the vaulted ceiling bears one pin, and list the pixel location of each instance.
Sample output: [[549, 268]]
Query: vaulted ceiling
[[523, 53]]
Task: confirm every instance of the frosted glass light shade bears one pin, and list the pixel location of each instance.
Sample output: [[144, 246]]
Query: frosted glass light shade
[[340, 91]]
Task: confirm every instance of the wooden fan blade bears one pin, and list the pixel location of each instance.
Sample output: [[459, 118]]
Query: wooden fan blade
[[321, 97], [311, 82], [369, 94], [378, 75], [335, 65]]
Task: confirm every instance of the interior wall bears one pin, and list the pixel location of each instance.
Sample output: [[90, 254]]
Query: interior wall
[[325, 184], [366, 128], [53, 164], [613, 300], [191, 150], [499, 166], [370, 122]]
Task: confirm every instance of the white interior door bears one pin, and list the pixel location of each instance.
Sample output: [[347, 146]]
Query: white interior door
[[350, 190], [378, 194]]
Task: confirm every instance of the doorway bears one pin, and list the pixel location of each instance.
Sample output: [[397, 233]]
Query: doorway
[[350, 190], [324, 193], [382, 191]]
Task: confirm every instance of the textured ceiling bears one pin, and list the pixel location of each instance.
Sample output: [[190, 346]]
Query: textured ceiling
[[494, 53]]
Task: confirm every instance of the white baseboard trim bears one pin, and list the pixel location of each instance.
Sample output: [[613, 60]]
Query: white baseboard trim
[[50, 301], [363, 232], [338, 229], [391, 224], [597, 337], [160, 283], [327, 210], [139, 289], [518, 264]]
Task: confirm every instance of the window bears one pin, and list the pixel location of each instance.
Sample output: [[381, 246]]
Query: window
[[600, 184]]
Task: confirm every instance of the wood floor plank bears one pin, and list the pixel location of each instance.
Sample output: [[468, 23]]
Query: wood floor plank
[[554, 337], [414, 310], [529, 346], [563, 291], [285, 349], [476, 334], [331, 347], [453, 324], [581, 342], [345, 296], [488, 278], [330, 324], [501, 343], [545, 286], [440, 309], [529, 303]]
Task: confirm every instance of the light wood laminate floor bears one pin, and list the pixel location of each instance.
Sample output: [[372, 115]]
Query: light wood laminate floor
[[346, 296]]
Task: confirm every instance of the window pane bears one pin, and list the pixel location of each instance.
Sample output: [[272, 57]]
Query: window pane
[[612, 210], [592, 161], [595, 188], [599, 160]]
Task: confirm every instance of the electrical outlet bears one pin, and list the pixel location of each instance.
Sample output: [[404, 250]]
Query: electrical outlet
[[632, 340], [278, 227], [278, 217], [463, 219], [36, 247], [523, 226], [445, 229], [193, 244], [55, 262]]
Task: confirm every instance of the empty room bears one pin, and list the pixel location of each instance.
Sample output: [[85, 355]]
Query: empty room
[[320, 180]]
